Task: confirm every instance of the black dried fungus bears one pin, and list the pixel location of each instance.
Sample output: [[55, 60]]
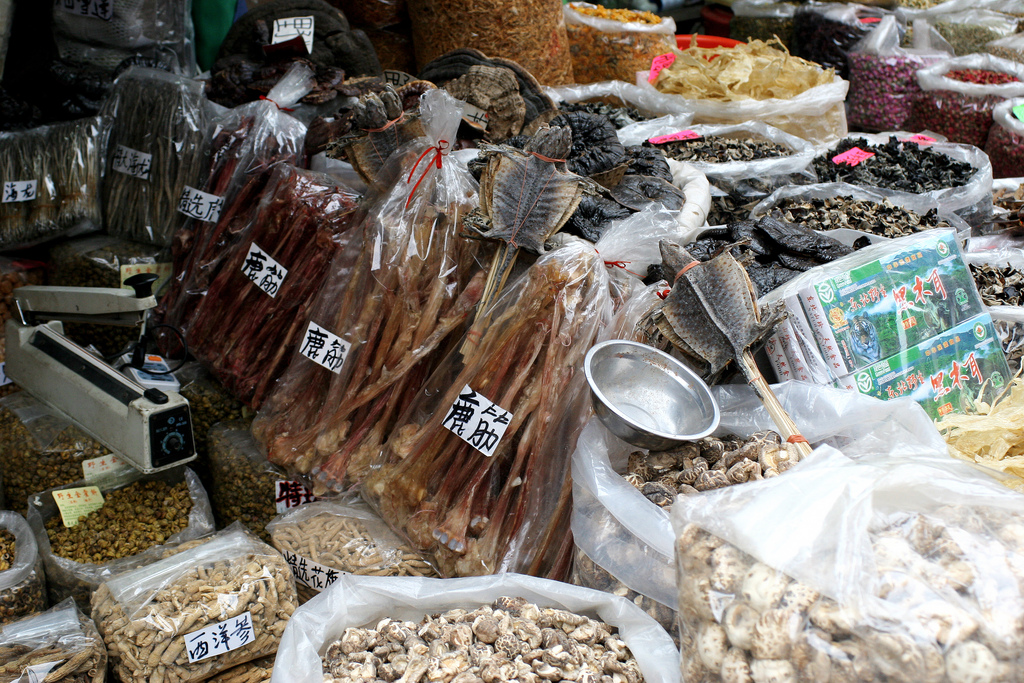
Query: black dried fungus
[[831, 213], [647, 161], [619, 116], [593, 216], [999, 285], [821, 37], [896, 165], [637, 192], [719, 149], [595, 144]]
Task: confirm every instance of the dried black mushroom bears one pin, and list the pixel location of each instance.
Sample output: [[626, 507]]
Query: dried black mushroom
[[593, 216], [595, 144], [647, 161], [619, 116], [896, 165]]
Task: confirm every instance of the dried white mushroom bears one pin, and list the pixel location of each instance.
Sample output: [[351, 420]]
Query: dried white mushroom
[[712, 645], [763, 587], [971, 662], [798, 597], [735, 667], [773, 671], [739, 620], [773, 635]]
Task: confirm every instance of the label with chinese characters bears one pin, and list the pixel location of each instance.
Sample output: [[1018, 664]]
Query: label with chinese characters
[[1018, 111], [477, 421], [673, 137], [286, 29], [309, 573], [161, 270], [474, 116], [19, 191], [219, 638], [291, 494], [397, 78], [100, 9], [921, 139], [75, 503], [660, 62], [200, 205], [264, 271], [4, 379], [852, 157], [132, 162], [324, 348], [99, 467]]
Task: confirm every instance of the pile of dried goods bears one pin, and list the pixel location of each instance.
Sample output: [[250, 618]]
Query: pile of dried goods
[[22, 584], [993, 438], [6, 549], [614, 44], [896, 165], [719, 148], [619, 116], [244, 482], [882, 218], [999, 285], [58, 646]]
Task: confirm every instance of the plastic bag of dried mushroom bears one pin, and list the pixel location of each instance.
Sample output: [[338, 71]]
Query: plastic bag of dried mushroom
[[496, 628], [999, 274], [140, 516], [60, 645], [323, 539], [22, 582], [894, 566], [1008, 322], [626, 535], [221, 603]]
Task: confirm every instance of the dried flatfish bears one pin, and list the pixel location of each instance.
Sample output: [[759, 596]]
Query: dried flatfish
[[802, 241], [495, 90]]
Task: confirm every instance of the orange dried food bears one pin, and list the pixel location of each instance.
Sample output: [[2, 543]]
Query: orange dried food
[[612, 45]]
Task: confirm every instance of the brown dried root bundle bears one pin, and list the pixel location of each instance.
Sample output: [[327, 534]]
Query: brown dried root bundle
[[472, 512], [62, 639]]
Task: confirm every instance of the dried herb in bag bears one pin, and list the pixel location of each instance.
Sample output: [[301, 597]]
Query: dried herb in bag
[[22, 582], [612, 45], [61, 642]]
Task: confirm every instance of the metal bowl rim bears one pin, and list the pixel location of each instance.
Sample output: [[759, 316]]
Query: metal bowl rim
[[679, 367]]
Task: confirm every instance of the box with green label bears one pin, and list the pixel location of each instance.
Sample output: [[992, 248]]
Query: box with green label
[[944, 373], [911, 290]]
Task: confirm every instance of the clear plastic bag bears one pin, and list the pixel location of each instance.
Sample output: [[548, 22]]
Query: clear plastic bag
[[897, 565], [324, 539], [256, 671], [958, 110], [51, 179], [22, 584], [362, 601], [969, 31], [1009, 324], [605, 49], [157, 147], [208, 403], [521, 362], [1010, 48], [40, 449], [68, 578], [58, 645], [396, 300], [824, 32], [1005, 146], [160, 621], [253, 315], [756, 20]]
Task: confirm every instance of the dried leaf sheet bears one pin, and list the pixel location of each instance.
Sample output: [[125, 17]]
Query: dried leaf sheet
[[994, 437]]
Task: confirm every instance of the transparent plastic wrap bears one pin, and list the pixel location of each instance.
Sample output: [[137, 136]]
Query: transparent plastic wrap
[[883, 80], [971, 200], [822, 209], [393, 304], [756, 20], [104, 261], [60, 645], [824, 32], [39, 449], [324, 539], [969, 31], [629, 539], [1005, 146], [896, 566], [1010, 47], [101, 35], [208, 403], [1009, 324], [15, 273], [244, 483], [480, 492], [959, 110], [363, 601], [610, 45], [256, 671], [22, 582], [222, 602], [51, 180], [157, 147], [70, 578], [245, 328], [998, 273]]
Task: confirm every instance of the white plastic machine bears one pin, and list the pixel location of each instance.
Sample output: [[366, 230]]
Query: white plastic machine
[[149, 428]]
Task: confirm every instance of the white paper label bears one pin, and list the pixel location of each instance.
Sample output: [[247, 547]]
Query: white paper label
[[397, 78], [286, 29], [477, 421], [132, 162], [19, 191], [101, 9], [98, 467], [267, 273], [291, 494], [309, 573], [474, 115], [324, 348], [200, 205], [219, 638], [77, 502], [4, 379]]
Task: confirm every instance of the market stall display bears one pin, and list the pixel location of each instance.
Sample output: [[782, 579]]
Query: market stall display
[[824, 33], [22, 581], [610, 45], [61, 642], [1010, 47], [969, 31], [1005, 145]]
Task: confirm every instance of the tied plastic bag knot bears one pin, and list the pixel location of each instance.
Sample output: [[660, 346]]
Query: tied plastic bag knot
[[264, 97], [440, 149], [664, 293]]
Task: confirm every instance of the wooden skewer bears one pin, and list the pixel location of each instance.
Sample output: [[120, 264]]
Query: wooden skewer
[[787, 428]]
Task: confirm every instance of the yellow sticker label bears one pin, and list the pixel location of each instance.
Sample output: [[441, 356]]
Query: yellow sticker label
[[162, 270], [75, 503]]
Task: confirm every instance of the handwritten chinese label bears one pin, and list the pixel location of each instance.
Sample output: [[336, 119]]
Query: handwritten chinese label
[[98, 467], [4, 379], [324, 348], [309, 573], [660, 62], [19, 191], [132, 162], [474, 116], [286, 29], [101, 9], [921, 139], [75, 503], [219, 638], [397, 78], [200, 205], [852, 157], [673, 137], [1018, 111], [264, 271], [291, 494], [477, 421], [162, 271]]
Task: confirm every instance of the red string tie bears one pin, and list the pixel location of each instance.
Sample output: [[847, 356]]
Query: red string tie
[[684, 269], [387, 125], [264, 97], [797, 438], [664, 294], [439, 150]]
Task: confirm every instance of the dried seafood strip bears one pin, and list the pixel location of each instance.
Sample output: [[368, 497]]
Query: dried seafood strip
[[60, 642], [472, 512]]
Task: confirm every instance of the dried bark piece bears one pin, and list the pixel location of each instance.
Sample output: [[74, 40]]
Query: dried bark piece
[[496, 91]]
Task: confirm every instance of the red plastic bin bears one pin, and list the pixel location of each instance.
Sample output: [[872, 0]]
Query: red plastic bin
[[683, 41]]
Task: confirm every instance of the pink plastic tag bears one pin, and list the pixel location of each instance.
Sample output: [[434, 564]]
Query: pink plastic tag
[[672, 137], [660, 62], [870, 20], [921, 139], [852, 157]]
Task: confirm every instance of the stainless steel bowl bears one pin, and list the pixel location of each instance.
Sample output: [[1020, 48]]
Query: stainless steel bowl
[[646, 397]]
